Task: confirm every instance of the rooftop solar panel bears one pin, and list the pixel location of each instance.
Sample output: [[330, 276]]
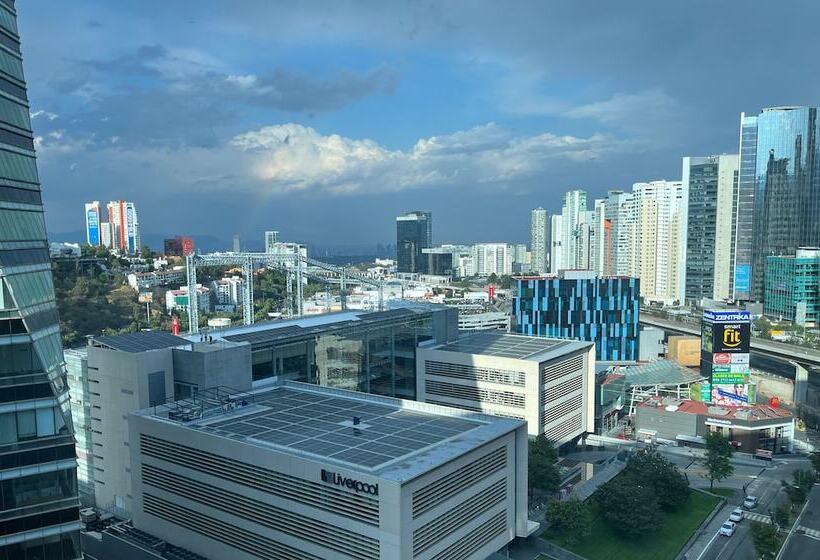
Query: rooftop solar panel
[[507, 345], [141, 341]]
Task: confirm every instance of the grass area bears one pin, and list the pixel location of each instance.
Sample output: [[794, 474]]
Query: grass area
[[725, 492], [606, 543]]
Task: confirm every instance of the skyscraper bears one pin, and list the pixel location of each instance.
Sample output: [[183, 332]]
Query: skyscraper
[[556, 240], [414, 232], [39, 515], [575, 203], [539, 240], [92, 223], [711, 184], [125, 226], [783, 187], [271, 239]]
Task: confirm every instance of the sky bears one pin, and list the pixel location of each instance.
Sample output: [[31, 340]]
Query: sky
[[326, 119]]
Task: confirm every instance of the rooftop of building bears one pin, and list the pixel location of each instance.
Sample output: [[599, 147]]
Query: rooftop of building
[[515, 346], [657, 372], [394, 439], [280, 330], [744, 413], [142, 341]]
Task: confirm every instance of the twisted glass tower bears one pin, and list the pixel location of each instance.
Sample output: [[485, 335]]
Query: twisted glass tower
[[38, 480]]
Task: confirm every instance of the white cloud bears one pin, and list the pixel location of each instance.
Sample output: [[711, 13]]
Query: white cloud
[[42, 113], [646, 111]]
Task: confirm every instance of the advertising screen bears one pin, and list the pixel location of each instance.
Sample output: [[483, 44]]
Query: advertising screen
[[730, 395], [731, 338], [93, 227]]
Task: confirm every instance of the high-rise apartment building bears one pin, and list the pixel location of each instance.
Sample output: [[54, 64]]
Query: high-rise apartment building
[[414, 232], [556, 243], [493, 258], [236, 246], [39, 510], [711, 186], [125, 227], [92, 223], [585, 241], [539, 241], [575, 204], [581, 306], [600, 258], [783, 188], [271, 239]]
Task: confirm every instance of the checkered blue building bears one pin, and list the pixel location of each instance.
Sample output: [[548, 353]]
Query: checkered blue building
[[581, 306]]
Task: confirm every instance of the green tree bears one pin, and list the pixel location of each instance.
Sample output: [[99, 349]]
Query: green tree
[[717, 461], [798, 489], [629, 505], [766, 540], [571, 519], [815, 463], [671, 487], [781, 516], [543, 470]]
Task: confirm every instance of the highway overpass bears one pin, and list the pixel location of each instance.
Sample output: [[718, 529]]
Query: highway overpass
[[805, 356]]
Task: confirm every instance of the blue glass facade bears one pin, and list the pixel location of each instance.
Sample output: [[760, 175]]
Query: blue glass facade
[[786, 188], [600, 310]]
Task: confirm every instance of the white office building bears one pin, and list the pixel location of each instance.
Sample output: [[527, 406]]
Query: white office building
[[549, 383], [302, 472]]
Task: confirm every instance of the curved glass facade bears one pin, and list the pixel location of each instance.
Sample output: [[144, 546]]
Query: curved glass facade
[[786, 188], [38, 496]]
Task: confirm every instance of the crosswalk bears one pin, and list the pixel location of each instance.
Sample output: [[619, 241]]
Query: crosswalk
[[809, 532], [759, 517]]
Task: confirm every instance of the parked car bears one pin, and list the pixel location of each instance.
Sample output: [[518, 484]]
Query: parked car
[[736, 515], [727, 529], [750, 502]]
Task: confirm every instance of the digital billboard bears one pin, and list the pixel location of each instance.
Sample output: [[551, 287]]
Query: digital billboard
[[730, 395], [729, 338], [93, 221]]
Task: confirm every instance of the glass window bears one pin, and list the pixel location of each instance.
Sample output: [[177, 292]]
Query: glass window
[[26, 425], [45, 422], [8, 428]]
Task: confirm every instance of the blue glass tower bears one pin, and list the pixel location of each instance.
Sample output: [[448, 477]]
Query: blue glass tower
[[39, 515], [582, 306]]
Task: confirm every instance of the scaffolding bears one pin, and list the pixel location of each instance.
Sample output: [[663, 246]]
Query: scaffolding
[[296, 268]]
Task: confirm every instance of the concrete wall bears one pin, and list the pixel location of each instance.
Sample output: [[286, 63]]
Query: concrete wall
[[651, 344], [209, 365]]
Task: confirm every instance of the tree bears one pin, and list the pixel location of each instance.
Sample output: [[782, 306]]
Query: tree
[[815, 463], [798, 489], [629, 505], [543, 470], [781, 517], [671, 488], [766, 541], [717, 461], [571, 519]]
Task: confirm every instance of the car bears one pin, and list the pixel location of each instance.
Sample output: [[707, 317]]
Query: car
[[727, 529], [750, 502], [736, 515]]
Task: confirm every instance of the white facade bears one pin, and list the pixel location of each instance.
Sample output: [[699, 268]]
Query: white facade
[[575, 204], [178, 299], [147, 280], [539, 241], [549, 383], [124, 226], [556, 243], [327, 484], [585, 241], [228, 291], [271, 239], [492, 258]]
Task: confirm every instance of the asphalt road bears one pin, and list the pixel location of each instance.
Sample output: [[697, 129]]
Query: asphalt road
[[804, 542]]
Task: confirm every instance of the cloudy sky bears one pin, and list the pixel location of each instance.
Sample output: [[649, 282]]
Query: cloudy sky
[[324, 119]]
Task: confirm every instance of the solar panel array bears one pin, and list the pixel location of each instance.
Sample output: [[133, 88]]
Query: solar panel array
[[141, 341], [504, 345], [320, 424]]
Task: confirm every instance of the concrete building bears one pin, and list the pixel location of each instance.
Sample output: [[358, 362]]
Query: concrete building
[[439, 261], [271, 239], [116, 375], [178, 299], [147, 280], [556, 243], [548, 383], [179, 246], [229, 291], [578, 305], [540, 241], [92, 223], [299, 471], [575, 204], [793, 287], [492, 258], [651, 344], [711, 185], [490, 320], [122, 216]]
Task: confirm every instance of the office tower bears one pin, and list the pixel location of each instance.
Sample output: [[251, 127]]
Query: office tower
[[618, 212], [237, 247], [783, 188], [575, 203], [39, 512], [655, 230], [539, 240], [414, 232], [92, 223], [710, 184], [493, 258], [521, 258], [582, 306], [585, 241], [271, 239], [601, 259], [439, 261], [308, 490], [556, 240], [549, 383], [125, 226], [793, 287]]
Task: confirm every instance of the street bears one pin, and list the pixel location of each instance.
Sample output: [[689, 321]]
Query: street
[[804, 542]]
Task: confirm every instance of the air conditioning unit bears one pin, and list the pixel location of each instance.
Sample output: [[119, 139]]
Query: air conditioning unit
[[88, 515]]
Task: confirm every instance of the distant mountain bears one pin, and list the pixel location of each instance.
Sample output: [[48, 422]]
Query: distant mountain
[[203, 243]]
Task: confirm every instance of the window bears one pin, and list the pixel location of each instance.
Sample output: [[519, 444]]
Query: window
[[8, 428], [26, 425]]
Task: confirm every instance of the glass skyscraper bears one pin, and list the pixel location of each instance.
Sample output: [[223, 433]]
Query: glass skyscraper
[[414, 232], [39, 516], [783, 187], [581, 306]]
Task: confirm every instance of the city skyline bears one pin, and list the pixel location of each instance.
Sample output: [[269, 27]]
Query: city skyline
[[354, 87]]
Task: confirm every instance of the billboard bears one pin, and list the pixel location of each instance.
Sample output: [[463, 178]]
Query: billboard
[[727, 316], [730, 338], [729, 378], [92, 219], [743, 278], [730, 395]]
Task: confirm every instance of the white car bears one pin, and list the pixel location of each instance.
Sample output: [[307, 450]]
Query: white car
[[727, 529], [736, 515], [750, 502]]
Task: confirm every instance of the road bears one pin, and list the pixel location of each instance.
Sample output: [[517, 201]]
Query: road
[[804, 542], [765, 484]]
